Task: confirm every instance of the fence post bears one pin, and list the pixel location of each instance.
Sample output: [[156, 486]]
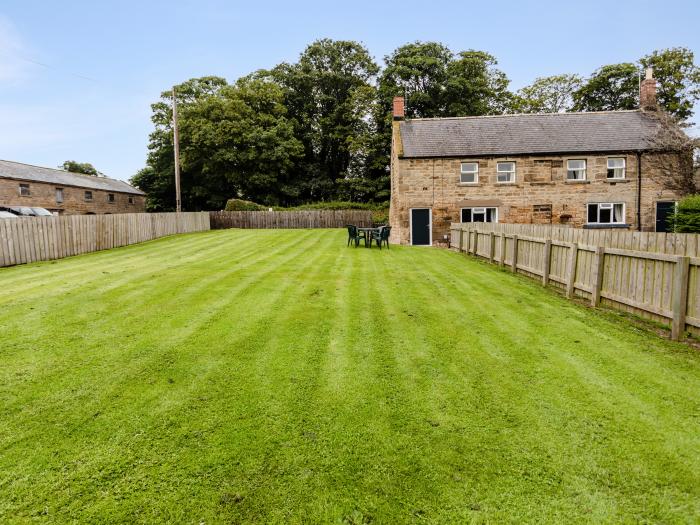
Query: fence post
[[598, 267], [502, 254], [514, 262], [492, 247], [573, 261], [461, 239], [680, 297], [547, 261], [476, 243]]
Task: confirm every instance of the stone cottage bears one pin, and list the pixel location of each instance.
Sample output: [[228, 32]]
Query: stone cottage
[[65, 193], [590, 170]]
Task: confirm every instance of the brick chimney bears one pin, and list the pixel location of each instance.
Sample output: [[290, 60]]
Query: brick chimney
[[647, 91], [399, 110]]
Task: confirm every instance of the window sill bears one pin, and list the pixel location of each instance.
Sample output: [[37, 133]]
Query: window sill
[[470, 184], [606, 226], [578, 181], [615, 181], [506, 184]]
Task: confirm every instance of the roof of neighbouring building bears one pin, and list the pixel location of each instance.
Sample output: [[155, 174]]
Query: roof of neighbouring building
[[528, 134], [19, 171]]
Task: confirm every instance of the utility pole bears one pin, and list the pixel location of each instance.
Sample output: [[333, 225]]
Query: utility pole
[[176, 142]]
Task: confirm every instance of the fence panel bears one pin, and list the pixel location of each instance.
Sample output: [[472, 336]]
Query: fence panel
[[655, 275], [30, 239], [290, 219]]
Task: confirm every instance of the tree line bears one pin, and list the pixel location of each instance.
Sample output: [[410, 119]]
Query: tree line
[[319, 129]]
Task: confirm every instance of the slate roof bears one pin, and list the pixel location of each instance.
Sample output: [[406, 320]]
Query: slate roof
[[528, 133], [19, 171]]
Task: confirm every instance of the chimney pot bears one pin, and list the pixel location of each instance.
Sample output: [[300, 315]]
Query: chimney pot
[[399, 109], [647, 91]]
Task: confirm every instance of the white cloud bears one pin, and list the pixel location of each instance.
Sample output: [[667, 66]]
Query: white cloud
[[13, 66]]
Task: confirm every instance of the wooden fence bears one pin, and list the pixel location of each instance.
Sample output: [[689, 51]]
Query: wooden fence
[[30, 239], [654, 275], [290, 219]]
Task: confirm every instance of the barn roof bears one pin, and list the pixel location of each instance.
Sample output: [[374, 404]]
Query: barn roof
[[19, 171], [528, 134]]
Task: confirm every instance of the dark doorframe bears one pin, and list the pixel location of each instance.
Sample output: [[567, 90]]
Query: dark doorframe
[[421, 226], [664, 211]]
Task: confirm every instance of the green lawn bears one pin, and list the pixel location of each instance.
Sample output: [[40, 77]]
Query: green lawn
[[280, 377]]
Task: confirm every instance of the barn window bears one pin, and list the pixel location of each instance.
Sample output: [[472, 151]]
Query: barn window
[[131, 200], [24, 190], [505, 172], [110, 197], [88, 195], [59, 195], [479, 214], [469, 173], [616, 168], [576, 169], [606, 213]]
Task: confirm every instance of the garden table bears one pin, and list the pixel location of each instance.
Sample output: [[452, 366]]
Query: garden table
[[368, 234]]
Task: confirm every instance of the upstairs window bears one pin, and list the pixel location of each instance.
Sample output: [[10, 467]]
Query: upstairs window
[[576, 169], [110, 197], [606, 213], [131, 200], [479, 214], [469, 173], [59, 195], [24, 190], [616, 168], [505, 172], [88, 195]]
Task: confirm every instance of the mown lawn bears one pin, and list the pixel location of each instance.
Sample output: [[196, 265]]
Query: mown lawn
[[280, 377]]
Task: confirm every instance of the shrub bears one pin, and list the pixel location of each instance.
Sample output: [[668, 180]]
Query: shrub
[[687, 216], [242, 205]]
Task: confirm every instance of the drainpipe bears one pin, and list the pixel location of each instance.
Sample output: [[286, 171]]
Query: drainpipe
[[639, 191]]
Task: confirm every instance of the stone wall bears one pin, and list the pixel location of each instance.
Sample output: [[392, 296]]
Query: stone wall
[[541, 194], [43, 195]]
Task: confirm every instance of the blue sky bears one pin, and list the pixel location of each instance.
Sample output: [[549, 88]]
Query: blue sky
[[77, 77]]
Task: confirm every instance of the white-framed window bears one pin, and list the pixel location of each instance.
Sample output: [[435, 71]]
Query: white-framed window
[[88, 195], [480, 214], [616, 168], [110, 198], [576, 169], [505, 172], [469, 172], [606, 213], [59, 195], [24, 190]]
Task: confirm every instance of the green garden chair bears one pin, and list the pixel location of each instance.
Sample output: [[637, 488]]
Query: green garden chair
[[381, 236], [355, 235]]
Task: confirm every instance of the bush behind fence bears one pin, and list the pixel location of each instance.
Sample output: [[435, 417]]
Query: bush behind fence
[[30, 239], [290, 219]]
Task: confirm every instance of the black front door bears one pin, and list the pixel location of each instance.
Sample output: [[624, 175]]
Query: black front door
[[664, 212], [420, 227]]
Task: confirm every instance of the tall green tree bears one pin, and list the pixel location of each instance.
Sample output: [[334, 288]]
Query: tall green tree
[[678, 80], [553, 94], [328, 94], [235, 141], [610, 88], [81, 167]]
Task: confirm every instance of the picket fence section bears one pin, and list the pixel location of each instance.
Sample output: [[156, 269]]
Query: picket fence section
[[290, 219], [30, 239], [654, 275]]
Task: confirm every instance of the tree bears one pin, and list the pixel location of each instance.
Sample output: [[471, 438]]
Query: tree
[[552, 94], [678, 80], [235, 141], [610, 88], [686, 219], [474, 86], [328, 94], [81, 167]]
